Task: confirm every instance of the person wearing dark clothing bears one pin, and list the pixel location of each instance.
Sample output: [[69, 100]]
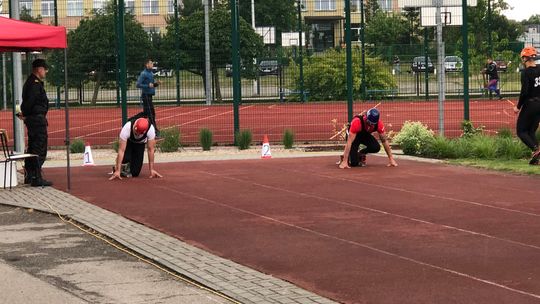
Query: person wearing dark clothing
[[148, 85], [528, 105], [493, 77], [137, 133], [34, 108], [360, 131]]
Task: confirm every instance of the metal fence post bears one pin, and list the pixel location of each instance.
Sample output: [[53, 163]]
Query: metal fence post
[[349, 59], [177, 51], [236, 67], [464, 35], [122, 59]]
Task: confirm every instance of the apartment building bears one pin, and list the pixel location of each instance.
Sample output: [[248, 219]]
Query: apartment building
[[326, 21], [151, 13]]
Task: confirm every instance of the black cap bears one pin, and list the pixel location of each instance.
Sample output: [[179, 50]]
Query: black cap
[[40, 63]]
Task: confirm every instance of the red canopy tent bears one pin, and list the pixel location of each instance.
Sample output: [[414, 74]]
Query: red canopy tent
[[20, 36]]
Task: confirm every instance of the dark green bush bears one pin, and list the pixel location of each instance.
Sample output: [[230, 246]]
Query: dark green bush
[[76, 146], [511, 148], [205, 137], [243, 139], [469, 130], [171, 140], [288, 139]]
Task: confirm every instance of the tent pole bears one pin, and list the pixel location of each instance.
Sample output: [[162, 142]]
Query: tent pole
[[66, 91]]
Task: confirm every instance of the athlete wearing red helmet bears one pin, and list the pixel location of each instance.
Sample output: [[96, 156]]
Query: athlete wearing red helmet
[[528, 105], [137, 133], [359, 132]]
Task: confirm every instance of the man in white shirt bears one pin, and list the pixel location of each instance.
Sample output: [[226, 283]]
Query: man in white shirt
[[135, 134]]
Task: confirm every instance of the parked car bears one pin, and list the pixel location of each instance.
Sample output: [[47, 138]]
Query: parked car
[[268, 67], [229, 70], [419, 65], [501, 65], [453, 64]]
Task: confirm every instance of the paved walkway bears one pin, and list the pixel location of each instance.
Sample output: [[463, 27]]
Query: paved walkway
[[231, 279]]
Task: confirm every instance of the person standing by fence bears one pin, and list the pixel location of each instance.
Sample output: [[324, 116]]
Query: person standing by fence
[[148, 85], [528, 105], [493, 77]]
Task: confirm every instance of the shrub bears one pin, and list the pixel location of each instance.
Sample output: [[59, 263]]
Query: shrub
[[414, 138], [243, 139], [171, 140], [505, 133], [511, 148], [288, 139], [469, 130], [440, 147], [205, 138], [484, 147], [325, 79], [76, 146], [462, 148]]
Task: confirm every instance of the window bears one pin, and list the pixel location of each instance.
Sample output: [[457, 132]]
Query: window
[[130, 6], [355, 6], [26, 5], [99, 4], [47, 8], [150, 7], [385, 5], [170, 7], [325, 5], [75, 8]]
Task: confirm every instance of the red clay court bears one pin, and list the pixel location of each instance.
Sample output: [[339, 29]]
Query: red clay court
[[310, 121], [418, 233]]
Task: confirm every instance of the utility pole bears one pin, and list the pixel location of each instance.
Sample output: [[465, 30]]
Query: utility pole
[[349, 59], [18, 128], [255, 84], [300, 42], [440, 65], [207, 62]]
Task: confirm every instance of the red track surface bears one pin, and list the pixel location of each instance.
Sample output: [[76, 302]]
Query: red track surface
[[310, 121], [418, 233]]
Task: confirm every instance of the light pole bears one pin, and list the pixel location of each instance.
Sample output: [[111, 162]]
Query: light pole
[[299, 6], [255, 85]]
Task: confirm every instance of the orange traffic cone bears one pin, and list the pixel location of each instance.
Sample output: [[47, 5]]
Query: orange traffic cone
[[265, 151], [88, 160]]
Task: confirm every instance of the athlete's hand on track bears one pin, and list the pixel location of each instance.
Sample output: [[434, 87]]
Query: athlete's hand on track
[[392, 163], [116, 174], [155, 174], [344, 165], [516, 110]]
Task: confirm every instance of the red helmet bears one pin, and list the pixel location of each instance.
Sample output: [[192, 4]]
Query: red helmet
[[529, 52], [141, 125]]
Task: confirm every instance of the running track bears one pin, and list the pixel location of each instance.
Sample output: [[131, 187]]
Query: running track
[[310, 121], [418, 233]]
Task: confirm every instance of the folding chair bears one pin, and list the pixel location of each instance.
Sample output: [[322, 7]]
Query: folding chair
[[9, 157]]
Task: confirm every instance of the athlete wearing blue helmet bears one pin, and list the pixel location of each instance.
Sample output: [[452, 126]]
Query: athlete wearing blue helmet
[[373, 116], [360, 130]]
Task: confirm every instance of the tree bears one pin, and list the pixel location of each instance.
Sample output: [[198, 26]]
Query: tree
[[533, 20], [388, 28], [370, 9], [192, 44], [92, 50], [26, 15], [190, 6], [280, 14]]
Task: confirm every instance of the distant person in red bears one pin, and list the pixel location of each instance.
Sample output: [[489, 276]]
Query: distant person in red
[[360, 133]]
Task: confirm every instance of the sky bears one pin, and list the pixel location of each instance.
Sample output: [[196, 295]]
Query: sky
[[522, 9]]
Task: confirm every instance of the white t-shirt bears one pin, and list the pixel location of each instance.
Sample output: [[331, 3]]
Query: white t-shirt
[[126, 131]]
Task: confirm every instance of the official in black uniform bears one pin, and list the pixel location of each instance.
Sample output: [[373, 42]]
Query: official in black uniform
[[528, 106], [34, 108]]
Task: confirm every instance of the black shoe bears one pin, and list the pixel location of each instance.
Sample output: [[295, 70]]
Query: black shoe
[[27, 180], [39, 182]]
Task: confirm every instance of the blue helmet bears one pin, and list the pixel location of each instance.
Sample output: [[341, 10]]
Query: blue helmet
[[373, 116]]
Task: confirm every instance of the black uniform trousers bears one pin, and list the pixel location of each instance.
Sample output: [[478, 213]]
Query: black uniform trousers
[[527, 122], [148, 109], [36, 126], [134, 155], [366, 139]]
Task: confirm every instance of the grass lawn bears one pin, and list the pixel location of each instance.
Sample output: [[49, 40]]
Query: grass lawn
[[520, 166]]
